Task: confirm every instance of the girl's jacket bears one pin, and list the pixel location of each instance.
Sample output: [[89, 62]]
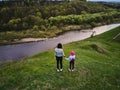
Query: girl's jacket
[[71, 58]]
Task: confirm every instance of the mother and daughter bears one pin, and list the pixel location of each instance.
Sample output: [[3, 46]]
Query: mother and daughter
[[59, 54]]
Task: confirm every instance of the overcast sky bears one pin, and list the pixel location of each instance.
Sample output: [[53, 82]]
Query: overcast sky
[[106, 0]]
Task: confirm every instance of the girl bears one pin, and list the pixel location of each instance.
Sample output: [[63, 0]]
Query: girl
[[71, 58], [59, 53]]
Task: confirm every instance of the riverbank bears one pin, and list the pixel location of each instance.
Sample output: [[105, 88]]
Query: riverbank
[[12, 37], [24, 40], [97, 67]]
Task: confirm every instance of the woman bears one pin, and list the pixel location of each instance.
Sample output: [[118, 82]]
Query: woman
[[59, 53]]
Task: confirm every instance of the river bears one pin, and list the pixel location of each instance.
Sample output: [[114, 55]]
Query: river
[[18, 51]]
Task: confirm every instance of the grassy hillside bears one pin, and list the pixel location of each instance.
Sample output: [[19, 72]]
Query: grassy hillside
[[97, 67]]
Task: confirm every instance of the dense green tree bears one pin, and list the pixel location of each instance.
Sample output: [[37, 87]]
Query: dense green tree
[[36, 14]]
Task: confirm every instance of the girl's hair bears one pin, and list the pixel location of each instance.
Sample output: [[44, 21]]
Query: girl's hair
[[59, 45]]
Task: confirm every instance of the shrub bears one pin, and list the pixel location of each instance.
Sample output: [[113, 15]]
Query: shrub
[[35, 27], [84, 18]]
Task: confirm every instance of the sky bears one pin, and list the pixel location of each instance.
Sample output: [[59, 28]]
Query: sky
[[106, 0]]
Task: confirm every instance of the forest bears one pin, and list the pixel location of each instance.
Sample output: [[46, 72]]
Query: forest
[[40, 17], [48, 16]]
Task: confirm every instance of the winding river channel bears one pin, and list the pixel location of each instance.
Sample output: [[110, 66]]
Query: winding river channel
[[18, 51]]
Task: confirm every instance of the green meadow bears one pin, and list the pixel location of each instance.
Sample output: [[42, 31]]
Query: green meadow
[[97, 67]]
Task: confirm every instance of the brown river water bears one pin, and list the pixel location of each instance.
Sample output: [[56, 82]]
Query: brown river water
[[19, 51]]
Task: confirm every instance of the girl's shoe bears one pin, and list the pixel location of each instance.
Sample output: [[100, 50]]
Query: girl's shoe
[[72, 69], [69, 69]]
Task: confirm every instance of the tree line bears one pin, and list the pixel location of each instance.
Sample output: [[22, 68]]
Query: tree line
[[85, 19], [45, 16], [31, 2]]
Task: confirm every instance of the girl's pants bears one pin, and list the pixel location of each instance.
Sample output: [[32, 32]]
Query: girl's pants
[[72, 65], [59, 62]]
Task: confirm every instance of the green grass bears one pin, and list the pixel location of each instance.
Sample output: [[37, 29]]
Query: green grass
[[97, 67]]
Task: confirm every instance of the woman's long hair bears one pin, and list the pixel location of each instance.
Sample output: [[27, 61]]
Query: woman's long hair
[[59, 45]]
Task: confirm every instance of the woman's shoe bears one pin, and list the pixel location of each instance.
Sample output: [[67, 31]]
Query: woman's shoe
[[58, 70], [61, 70]]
